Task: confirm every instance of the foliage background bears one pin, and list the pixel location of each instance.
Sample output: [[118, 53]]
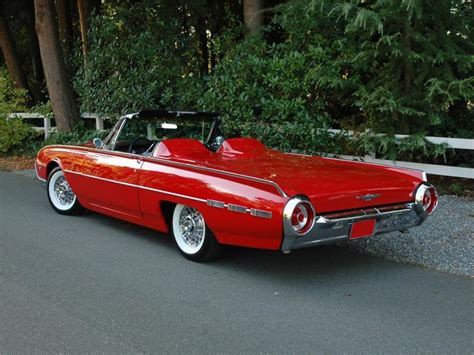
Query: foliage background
[[14, 132], [387, 66]]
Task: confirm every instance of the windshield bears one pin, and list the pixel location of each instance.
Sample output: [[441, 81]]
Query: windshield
[[140, 135], [164, 129]]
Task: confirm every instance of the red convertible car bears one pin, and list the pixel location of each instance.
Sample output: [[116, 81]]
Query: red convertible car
[[157, 169]]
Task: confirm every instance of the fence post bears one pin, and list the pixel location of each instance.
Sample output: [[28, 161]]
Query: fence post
[[99, 123], [151, 131], [47, 126]]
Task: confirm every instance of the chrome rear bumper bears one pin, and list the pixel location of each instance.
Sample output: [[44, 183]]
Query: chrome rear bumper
[[333, 227]]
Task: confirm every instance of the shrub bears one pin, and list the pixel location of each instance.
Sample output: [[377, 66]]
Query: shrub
[[131, 67], [388, 66], [14, 133], [11, 98], [80, 135]]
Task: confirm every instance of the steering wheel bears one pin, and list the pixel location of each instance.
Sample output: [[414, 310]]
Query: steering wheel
[[135, 141]]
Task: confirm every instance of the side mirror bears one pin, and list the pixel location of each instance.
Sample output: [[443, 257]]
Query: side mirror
[[98, 143]]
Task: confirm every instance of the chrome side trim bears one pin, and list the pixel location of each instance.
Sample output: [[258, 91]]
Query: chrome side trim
[[236, 208], [217, 204], [223, 172], [137, 186], [241, 209], [171, 193], [260, 213], [181, 164], [212, 203]]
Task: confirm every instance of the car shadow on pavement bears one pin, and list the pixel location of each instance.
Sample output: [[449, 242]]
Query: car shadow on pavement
[[323, 262]]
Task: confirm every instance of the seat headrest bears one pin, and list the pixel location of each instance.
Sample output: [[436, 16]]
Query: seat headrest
[[184, 148], [234, 147]]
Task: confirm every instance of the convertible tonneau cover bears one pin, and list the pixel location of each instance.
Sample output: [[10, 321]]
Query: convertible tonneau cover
[[182, 114]]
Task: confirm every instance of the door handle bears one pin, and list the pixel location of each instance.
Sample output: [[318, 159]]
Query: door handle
[[139, 162]]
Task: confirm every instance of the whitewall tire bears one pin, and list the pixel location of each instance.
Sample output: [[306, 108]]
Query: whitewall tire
[[193, 237], [60, 195]]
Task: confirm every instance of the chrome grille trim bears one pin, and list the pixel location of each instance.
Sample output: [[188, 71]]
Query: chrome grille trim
[[365, 213]]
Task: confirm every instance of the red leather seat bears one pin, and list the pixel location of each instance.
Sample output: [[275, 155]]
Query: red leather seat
[[241, 147], [182, 148]]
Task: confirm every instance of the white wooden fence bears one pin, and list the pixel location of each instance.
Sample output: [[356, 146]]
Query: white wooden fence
[[435, 169], [48, 129], [444, 170]]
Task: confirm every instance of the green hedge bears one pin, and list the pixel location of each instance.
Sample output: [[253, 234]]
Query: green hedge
[[388, 66]]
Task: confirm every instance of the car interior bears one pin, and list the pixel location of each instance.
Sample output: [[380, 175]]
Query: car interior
[[142, 136], [179, 134]]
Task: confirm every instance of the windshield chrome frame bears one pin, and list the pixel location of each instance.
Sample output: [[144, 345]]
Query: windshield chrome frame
[[111, 140]]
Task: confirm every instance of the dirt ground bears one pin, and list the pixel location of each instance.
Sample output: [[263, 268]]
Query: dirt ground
[[16, 163]]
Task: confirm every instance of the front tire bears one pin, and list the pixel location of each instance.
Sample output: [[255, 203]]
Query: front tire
[[60, 195], [193, 237]]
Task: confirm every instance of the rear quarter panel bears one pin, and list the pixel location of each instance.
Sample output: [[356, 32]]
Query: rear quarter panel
[[194, 188]]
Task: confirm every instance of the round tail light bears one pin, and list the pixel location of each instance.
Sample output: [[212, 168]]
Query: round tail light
[[298, 216], [426, 198], [302, 217], [430, 200]]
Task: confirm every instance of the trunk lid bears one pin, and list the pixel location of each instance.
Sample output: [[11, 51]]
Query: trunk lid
[[331, 184]]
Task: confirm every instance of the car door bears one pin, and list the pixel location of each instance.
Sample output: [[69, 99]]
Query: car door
[[112, 179]]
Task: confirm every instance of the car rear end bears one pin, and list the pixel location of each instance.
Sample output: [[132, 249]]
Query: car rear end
[[304, 226]]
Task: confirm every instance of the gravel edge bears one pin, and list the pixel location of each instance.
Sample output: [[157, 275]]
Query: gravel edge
[[445, 242]]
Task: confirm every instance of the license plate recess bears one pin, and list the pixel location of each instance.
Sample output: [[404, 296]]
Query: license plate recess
[[362, 229]]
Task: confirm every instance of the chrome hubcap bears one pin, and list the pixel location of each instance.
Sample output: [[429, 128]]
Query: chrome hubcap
[[191, 224], [63, 191]]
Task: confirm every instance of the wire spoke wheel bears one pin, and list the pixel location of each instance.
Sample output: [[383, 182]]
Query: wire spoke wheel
[[191, 229], [194, 239], [60, 194], [63, 192]]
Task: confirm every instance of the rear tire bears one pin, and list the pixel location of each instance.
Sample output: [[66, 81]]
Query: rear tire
[[60, 195], [193, 237]]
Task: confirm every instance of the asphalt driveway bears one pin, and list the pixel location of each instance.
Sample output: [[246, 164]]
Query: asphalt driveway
[[94, 284]]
